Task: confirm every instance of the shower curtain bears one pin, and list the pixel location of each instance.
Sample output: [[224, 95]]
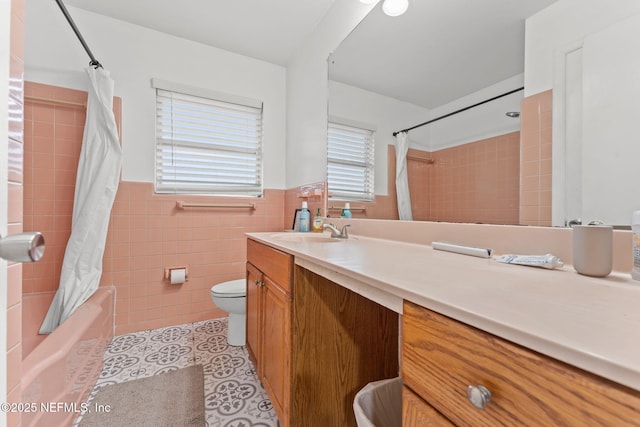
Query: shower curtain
[[96, 185], [402, 179]]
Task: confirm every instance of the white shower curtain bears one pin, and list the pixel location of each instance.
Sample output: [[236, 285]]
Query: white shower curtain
[[96, 185], [402, 179]]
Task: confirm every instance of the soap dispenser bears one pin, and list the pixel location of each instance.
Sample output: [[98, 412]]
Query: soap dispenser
[[305, 218], [346, 212], [316, 225]]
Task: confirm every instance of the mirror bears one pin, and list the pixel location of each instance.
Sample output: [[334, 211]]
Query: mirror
[[391, 74], [595, 111]]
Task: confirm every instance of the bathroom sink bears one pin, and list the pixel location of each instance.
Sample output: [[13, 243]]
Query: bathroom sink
[[307, 237]]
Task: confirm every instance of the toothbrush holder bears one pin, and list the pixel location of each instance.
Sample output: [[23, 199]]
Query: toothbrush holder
[[592, 249]]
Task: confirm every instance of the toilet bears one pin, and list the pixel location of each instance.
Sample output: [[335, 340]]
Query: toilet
[[231, 297]]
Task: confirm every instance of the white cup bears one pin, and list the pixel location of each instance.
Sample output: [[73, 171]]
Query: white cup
[[592, 249]]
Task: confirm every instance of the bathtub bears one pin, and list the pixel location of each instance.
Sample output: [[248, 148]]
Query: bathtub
[[60, 371]]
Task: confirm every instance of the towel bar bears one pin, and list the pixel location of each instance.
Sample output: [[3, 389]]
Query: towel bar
[[55, 101], [352, 208], [181, 205]]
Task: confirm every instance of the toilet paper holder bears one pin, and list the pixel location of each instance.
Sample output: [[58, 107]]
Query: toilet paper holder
[[167, 272]]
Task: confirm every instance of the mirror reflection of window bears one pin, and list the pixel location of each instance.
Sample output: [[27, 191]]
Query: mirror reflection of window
[[350, 162]]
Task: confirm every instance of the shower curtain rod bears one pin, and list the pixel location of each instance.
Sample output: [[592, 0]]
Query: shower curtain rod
[[94, 62], [459, 111]]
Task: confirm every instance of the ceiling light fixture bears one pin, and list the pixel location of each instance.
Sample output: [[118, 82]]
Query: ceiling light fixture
[[391, 7], [395, 7]]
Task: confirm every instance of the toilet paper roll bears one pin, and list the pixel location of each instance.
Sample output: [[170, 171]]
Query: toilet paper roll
[[178, 276]]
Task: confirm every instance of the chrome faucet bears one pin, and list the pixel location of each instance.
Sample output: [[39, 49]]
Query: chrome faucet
[[576, 221], [338, 234]]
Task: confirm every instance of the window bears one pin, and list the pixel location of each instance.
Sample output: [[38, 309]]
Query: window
[[350, 162], [206, 145]]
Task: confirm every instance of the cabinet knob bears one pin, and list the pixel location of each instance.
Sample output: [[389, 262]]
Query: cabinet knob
[[479, 396], [259, 283]]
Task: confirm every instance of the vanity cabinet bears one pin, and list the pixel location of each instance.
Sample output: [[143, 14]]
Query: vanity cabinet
[[442, 358], [315, 343], [341, 342], [416, 412], [269, 284]]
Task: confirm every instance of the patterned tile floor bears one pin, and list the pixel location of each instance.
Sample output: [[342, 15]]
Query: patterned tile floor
[[234, 397]]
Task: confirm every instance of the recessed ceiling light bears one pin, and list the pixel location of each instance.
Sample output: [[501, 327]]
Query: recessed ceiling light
[[395, 7]]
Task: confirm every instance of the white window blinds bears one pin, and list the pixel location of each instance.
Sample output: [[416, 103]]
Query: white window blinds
[[350, 162], [206, 146]]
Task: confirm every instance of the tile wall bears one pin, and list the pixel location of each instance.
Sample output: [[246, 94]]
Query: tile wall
[[53, 137], [383, 207], [475, 182], [15, 191], [505, 180], [535, 163], [147, 232], [53, 129]]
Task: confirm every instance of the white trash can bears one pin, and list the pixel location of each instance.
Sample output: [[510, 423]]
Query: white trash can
[[379, 404]]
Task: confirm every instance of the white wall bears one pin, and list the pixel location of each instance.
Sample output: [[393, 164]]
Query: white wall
[[386, 115], [563, 23], [307, 93], [604, 112], [484, 121], [373, 111], [610, 148], [5, 20], [134, 55]]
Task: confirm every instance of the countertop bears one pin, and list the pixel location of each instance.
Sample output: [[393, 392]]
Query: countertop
[[590, 323]]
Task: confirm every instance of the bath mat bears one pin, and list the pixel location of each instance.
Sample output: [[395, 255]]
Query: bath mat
[[175, 398]]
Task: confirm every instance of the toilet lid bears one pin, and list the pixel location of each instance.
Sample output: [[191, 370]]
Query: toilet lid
[[233, 288]]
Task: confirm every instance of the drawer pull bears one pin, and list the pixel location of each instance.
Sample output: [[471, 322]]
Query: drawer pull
[[479, 396], [259, 283]]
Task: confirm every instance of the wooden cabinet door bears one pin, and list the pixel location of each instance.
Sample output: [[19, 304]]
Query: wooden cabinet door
[[276, 347], [341, 341], [254, 322], [418, 413]]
